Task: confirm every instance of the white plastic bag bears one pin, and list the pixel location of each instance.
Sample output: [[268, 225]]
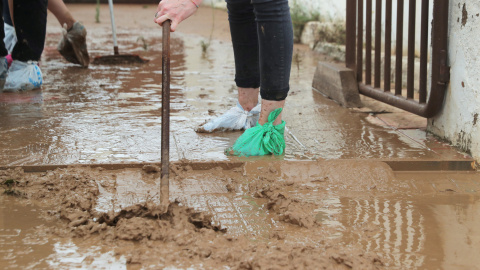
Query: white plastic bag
[[3, 71], [234, 119], [23, 76], [10, 37]]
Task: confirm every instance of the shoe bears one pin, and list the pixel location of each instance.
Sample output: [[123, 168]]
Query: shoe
[[234, 119], [73, 45], [10, 38], [23, 76], [3, 71], [261, 140]]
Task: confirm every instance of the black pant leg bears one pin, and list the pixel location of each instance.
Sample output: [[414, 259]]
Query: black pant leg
[[6, 13], [275, 37], [30, 17], [3, 50], [243, 30]]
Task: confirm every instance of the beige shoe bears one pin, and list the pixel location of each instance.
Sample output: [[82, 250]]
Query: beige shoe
[[73, 45]]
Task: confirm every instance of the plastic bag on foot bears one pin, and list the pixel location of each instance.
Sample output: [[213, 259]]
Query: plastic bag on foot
[[261, 140], [234, 119], [3, 71], [23, 76], [10, 38]]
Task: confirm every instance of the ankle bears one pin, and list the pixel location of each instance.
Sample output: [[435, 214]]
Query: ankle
[[268, 106], [248, 98], [248, 105]]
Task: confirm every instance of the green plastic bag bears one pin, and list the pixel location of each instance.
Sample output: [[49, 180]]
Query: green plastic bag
[[261, 140]]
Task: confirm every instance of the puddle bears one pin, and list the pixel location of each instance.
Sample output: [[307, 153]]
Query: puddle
[[26, 242], [414, 232], [21, 242]]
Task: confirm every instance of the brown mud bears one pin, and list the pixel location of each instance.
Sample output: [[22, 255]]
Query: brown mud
[[181, 237], [262, 215]]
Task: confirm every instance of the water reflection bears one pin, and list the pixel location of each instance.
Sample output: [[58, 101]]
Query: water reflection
[[436, 232], [26, 242], [68, 255]]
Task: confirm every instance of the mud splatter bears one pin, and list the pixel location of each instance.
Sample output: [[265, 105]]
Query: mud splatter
[[464, 15], [148, 235]]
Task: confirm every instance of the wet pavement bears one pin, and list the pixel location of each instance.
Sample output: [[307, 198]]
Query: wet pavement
[[111, 114]]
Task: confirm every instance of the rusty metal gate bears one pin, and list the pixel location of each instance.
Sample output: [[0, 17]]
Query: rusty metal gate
[[423, 103]]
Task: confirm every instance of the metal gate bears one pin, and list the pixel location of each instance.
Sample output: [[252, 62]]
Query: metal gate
[[423, 103]]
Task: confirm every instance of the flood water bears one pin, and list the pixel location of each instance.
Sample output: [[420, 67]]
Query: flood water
[[111, 113]]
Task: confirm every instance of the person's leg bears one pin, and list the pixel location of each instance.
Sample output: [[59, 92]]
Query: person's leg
[[3, 50], [275, 38], [247, 72], [275, 35], [243, 29], [10, 38], [30, 19], [6, 13], [61, 12], [10, 10], [267, 32]]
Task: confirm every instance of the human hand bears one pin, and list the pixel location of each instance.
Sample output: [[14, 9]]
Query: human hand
[[176, 11]]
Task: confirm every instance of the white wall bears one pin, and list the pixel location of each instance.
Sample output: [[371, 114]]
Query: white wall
[[327, 8], [216, 3], [459, 121], [335, 11]]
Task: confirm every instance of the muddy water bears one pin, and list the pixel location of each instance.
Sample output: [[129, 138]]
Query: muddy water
[[107, 114], [408, 220], [421, 220], [436, 232], [26, 242], [112, 113]]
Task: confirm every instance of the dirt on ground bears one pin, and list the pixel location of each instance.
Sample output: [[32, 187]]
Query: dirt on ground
[[149, 235]]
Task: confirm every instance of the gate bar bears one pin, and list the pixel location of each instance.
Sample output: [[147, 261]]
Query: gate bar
[[399, 49], [411, 48], [378, 42], [368, 44], [388, 46], [423, 53]]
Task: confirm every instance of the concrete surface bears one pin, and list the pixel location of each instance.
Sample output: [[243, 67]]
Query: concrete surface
[[338, 83]]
